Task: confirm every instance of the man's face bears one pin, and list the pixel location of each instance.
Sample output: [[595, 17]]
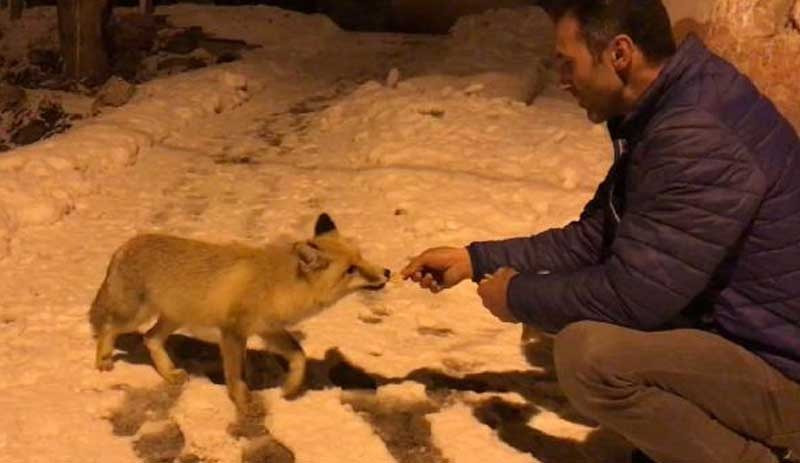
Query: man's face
[[594, 83]]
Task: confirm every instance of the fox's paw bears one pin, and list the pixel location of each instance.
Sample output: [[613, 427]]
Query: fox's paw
[[176, 377], [104, 364], [291, 390]]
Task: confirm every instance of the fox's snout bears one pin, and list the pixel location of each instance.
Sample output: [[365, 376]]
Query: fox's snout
[[387, 274]]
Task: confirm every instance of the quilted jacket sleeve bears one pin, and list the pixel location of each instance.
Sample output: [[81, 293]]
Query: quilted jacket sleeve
[[696, 191], [557, 250]]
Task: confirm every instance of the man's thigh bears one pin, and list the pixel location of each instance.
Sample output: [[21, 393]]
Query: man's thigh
[[731, 384]]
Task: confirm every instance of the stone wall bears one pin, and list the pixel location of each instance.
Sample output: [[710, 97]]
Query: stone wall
[[762, 37]]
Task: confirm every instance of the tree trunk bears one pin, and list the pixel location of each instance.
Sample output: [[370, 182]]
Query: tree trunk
[[146, 6], [83, 31], [15, 8]]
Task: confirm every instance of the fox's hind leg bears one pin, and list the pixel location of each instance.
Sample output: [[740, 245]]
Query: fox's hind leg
[[154, 340], [282, 343]]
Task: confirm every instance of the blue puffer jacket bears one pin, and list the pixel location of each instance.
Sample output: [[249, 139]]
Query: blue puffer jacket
[[700, 213]]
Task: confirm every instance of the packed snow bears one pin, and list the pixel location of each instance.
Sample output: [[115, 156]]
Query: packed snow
[[407, 141]]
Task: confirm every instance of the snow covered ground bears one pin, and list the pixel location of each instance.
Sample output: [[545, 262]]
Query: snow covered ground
[[442, 151]]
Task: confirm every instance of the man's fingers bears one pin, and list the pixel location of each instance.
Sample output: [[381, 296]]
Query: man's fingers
[[411, 269], [429, 282], [425, 270]]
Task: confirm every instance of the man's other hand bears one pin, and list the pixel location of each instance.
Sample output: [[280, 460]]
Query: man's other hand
[[493, 290]]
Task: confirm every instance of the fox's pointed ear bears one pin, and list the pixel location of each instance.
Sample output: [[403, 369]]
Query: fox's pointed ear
[[324, 225], [310, 257]]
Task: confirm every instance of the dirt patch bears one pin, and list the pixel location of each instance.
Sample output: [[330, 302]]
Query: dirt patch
[[141, 405], [25, 119], [164, 445], [402, 427], [510, 421]]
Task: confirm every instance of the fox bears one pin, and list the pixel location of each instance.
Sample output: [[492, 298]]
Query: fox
[[237, 289]]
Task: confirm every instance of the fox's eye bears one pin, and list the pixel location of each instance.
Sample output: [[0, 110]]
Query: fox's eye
[[351, 270]]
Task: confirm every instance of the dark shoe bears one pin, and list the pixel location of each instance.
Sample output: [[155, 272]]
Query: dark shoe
[[639, 457], [784, 456]]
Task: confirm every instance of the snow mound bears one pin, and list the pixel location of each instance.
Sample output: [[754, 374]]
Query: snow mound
[[506, 51], [504, 35], [420, 127], [41, 182]]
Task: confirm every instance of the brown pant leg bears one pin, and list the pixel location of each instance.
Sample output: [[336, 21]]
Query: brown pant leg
[[682, 396]]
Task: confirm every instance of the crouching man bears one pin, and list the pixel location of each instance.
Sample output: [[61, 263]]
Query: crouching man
[[676, 294]]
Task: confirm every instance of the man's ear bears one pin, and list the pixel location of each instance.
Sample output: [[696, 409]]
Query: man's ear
[[310, 257], [324, 225], [622, 49]]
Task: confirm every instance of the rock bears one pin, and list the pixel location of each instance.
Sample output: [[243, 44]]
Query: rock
[[751, 19], [228, 57], [135, 32], [11, 97], [49, 61], [31, 132], [184, 42], [222, 47], [358, 15], [752, 34], [795, 15], [180, 64], [127, 63], [32, 121], [115, 92], [770, 16], [52, 114]]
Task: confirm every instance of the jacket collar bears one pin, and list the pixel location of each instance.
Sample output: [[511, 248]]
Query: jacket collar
[[678, 68]]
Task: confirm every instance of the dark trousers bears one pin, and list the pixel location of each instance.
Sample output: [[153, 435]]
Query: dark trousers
[[681, 396]]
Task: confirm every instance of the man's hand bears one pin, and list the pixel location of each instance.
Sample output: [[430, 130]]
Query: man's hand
[[439, 268], [493, 291]]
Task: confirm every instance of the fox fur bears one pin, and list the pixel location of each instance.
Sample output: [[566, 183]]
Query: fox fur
[[240, 290]]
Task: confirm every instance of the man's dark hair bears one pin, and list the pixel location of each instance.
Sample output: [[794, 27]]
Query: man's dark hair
[[646, 22]]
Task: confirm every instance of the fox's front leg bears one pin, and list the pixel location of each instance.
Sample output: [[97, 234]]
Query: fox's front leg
[[154, 340], [232, 348], [283, 344], [105, 348]]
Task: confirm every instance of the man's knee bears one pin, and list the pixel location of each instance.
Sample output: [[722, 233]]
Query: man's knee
[[587, 354], [580, 344]]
